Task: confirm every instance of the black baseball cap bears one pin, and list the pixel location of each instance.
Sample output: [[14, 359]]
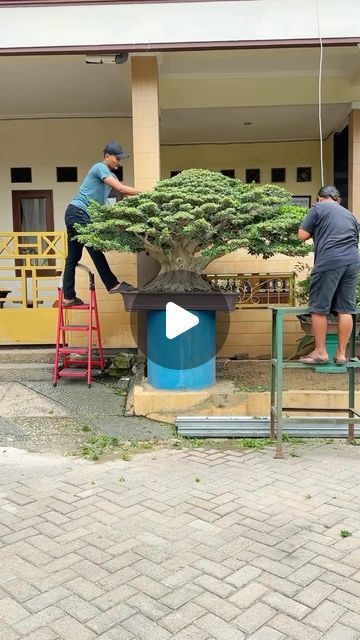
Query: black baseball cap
[[114, 149]]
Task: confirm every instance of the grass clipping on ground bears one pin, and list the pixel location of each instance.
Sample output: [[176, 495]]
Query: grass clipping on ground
[[100, 445]]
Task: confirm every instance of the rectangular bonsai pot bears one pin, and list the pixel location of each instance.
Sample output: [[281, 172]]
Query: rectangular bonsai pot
[[199, 300]]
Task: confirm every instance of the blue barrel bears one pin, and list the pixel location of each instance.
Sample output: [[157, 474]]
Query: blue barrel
[[186, 362]]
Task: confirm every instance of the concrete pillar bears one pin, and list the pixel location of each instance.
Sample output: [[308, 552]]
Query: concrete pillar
[[354, 162], [146, 140]]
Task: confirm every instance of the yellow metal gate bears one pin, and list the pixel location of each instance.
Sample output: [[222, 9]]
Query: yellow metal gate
[[31, 264]]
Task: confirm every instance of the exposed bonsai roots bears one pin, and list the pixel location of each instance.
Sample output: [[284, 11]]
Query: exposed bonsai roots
[[177, 282]]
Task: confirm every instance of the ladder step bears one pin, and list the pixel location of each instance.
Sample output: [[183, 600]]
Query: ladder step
[[70, 350], [76, 327], [82, 307], [72, 373], [84, 363]]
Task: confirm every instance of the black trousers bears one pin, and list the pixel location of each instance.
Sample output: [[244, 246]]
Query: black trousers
[[74, 215]]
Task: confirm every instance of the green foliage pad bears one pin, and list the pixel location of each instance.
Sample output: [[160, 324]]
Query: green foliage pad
[[189, 220]]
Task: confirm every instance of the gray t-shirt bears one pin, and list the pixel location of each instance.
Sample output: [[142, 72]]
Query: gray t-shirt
[[93, 187], [335, 232]]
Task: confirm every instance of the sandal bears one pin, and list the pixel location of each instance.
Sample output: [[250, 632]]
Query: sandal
[[123, 287], [75, 302], [311, 360]]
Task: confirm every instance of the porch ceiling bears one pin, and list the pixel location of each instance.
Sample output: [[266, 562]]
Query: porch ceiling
[[182, 126], [64, 86]]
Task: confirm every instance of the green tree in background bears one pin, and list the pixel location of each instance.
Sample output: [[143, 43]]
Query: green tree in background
[[189, 220]]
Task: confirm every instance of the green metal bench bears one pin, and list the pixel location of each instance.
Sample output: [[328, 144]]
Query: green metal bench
[[277, 419]]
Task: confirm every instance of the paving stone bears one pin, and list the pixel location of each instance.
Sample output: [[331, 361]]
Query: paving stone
[[345, 599], [339, 631], [244, 575], [266, 633], [288, 605], [182, 617], [42, 634], [325, 615], [214, 586], [79, 608], [191, 633], [254, 617], [282, 585], [181, 577], [145, 629], [53, 596], [116, 633], [114, 596], [38, 620], [85, 588], [12, 611], [306, 574], [351, 619], [295, 629], [248, 595], [20, 589], [109, 618], [149, 607], [219, 629], [68, 628], [6, 633], [314, 593], [225, 609], [180, 596], [215, 569]]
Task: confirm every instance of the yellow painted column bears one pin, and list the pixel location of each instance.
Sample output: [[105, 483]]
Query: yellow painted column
[[146, 139], [354, 163]]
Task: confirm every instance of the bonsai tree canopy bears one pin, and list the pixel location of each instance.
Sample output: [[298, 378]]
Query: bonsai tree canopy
[[189, 220]]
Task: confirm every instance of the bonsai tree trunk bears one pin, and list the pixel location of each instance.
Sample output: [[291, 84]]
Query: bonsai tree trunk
[[180, 271]]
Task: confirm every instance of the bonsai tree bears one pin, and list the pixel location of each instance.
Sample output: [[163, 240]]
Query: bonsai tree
[[189, 220]]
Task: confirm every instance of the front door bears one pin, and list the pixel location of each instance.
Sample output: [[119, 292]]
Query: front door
[[33, 211]]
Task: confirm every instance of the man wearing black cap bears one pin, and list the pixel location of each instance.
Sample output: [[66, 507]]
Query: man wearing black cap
[[335, 232], [96, 186]]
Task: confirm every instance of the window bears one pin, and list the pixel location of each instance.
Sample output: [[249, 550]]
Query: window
[[252, 175], [66, 174], [230, 173], [119, 172], [116, 196], [21, 174], [303, 174], [278, 175]]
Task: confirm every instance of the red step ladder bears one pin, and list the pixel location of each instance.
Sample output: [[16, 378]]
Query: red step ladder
[[64, 366]]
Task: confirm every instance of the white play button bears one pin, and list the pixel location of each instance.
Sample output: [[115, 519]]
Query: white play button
[[178, 320]]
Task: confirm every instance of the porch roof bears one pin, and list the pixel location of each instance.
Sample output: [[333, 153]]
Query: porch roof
[[148, 26]]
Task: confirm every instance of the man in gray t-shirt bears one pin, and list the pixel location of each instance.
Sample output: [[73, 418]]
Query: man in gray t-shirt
[[335, 233], [97, 185]]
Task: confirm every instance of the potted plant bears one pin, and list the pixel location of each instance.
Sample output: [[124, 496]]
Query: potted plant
[[185, 223]]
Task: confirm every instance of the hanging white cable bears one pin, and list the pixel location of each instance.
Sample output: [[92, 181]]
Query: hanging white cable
[[320, 95]]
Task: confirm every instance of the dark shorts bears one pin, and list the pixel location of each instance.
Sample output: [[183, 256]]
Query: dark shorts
[[334, 290]]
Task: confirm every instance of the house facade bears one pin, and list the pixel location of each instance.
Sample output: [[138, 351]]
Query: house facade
[[264, 90]]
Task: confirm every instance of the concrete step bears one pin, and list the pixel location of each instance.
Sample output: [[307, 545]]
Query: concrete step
[[27, 355]]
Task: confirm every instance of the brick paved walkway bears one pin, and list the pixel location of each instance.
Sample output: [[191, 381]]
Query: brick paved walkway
[[181, 544]]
